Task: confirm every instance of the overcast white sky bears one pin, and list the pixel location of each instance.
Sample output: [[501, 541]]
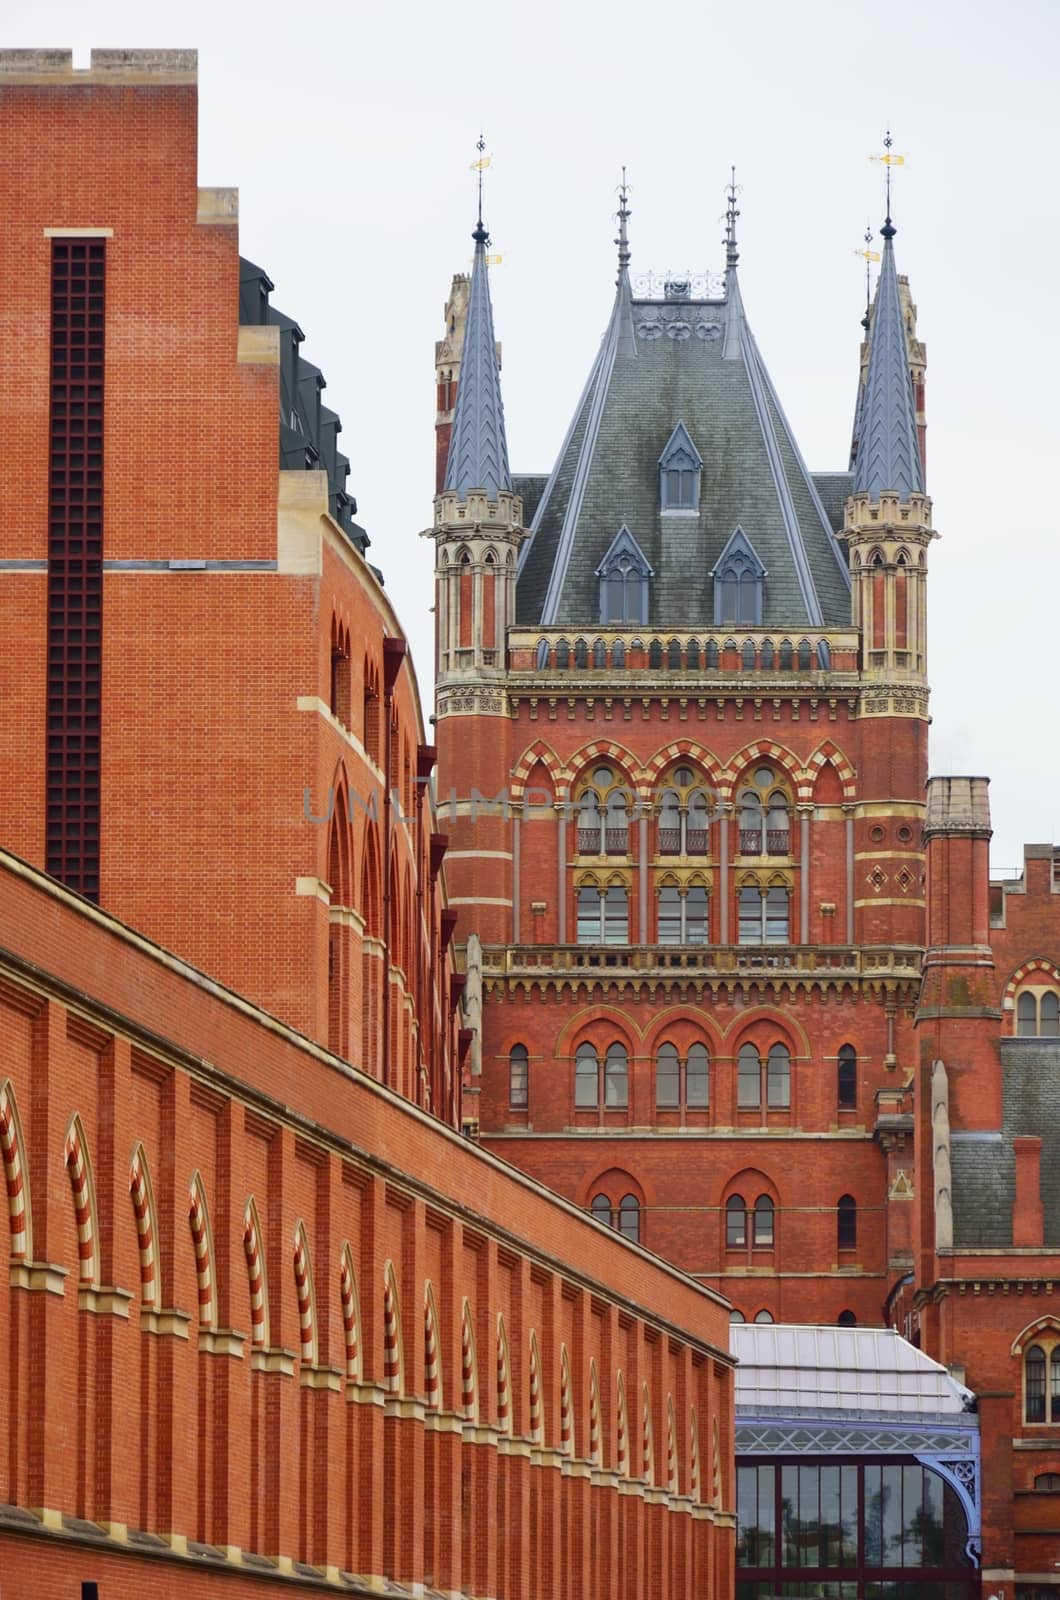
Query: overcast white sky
[[350, 129]]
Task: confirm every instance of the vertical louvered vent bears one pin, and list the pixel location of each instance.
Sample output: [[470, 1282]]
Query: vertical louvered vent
[[75, 563]]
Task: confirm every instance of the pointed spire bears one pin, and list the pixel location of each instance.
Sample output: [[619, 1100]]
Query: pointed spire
[[623, 230], [732, 254], [621, 325], [734, 314], [478, 449], [888, 451]]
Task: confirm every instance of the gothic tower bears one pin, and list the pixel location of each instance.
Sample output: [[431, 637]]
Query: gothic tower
[[701, 907]]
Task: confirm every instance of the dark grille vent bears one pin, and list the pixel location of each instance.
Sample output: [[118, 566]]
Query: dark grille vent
[[75, 563]]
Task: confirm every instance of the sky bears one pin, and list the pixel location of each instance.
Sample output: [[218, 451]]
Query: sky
[[349, 131]]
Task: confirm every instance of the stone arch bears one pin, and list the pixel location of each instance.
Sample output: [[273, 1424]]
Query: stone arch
[[143, 1203], [306, 1297], [829, 753], [351, 1314], [202, 1245], [746, 1025], [393, 1348], [258, 1283], [79, 1166], [1037, 965], [16, 1176], [596, 1452], [469, 1395], [1050, 1323], [538, 752], [534, 1391], [605, 750], [566, 1407], [761, 750], [697, 756], [504, 1382], [432, 1365]]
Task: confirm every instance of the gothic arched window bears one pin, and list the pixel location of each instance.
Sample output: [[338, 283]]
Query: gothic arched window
[[735, 1222], [738, 581], [847, 1223], [624, 574], [629, 1217], [763, 1221], [679, 470], [519, 1077], [847, 1076]]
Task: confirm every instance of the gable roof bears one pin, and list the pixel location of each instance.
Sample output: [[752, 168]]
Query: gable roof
[[624, 544], [739, 544]]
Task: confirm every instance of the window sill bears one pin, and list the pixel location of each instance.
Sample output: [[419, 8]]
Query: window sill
[[679, 511]]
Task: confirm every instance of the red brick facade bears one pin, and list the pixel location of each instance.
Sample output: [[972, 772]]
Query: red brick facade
[[266, 1316]]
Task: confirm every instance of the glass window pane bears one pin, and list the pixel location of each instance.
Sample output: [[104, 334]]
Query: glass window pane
[[669, 915], [763, 1220], [586, 1076], [1034, 1383], [847, 1223], [1050, 1015], [1027, 1016], [616, 1078], [667, 1077], [589, 916], [696, 916], [892, 1515], [750, 915], [850, 1516], [873, 1516], [616, 917], [735, 1222], [518, 1076], [1054, 1384], [629, 1217], [778, 1085], [601, 1208], [697, 1077], [618, 653], [749, 1077], [789, 1511], [848, 1078], [912, 1516], [777, 916]]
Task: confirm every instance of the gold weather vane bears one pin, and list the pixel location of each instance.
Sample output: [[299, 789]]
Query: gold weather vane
[[869, 256], [887, 161]]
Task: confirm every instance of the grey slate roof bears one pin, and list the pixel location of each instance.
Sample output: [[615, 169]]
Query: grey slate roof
[[983, 1169], [660, 363], [478, 449], [887, 449]]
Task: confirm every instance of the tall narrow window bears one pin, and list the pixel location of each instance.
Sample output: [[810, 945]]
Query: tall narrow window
[[629, 1217], [1050, 1015], [697, 1077], [601, 1208], [778, 1077], [735, 1222], [738, 582], [616, 1078], [847, 1223], [751, 929], [778, 916], [679, 469], [1034, 1384], [847, 1078], [667, 1077], [763, 1221], [624, 576], [75, 564], [586, 1077], [519, 1077], [616, 916], [749, 1077]]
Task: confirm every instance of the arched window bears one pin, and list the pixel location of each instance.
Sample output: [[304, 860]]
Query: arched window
[[846, 1319], [542, 654], [767, 655], [763, 1317], [655, 655], [683, 914], [673, 655], [738, 582], [679, 469], [624, 575], [749, 1077], [618, 654], [752, 842], [603, 914], [778, 915], [712, 655], [763, 1222], [736, 1317], [519, 1077], [670, 823], [1038, 1014], [581, 654], [1041, 1381], [785, 655], [697, 1077], [747, 655], [847, 1223], [1047, 1482], [599, 654], [805, 656], [629, 1217], [735, 1223], [601, 1208], [603, 814], [684, 816], [847, 1078], [563, 655], [667, 1077], [765, 827], [586, 1077], [692, 655], [616, 1078]]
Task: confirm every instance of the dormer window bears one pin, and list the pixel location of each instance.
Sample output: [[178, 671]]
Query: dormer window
[[679, 471], [624, 573], [738, 579]]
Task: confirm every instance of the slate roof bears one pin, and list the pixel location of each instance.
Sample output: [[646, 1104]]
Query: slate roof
[[478, 448], [983, 1168], [886, 447], [662, 362]]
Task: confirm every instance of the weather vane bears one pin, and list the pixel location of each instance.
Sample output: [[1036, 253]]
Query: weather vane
[[480, 235], [870, 256], [888, 160]]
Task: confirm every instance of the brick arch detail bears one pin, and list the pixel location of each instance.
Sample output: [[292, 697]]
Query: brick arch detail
[[1025, 972], [749, 1182], [578, 1027], [143, 1204], [79, 1165], [1047, 1324], [351, 1314], [618, 1181], [16, 1176], [581, 760], [305, 1296], [697, 755], [535, 753], [680, 1016], [256, 1277], [202, 1245], [828, 752], [789, 1027], [760, 749]]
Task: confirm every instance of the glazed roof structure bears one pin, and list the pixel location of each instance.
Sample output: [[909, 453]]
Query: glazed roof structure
[[829, 1370]]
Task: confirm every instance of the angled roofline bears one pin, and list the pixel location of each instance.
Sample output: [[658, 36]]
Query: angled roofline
[[680, 437], [478, 447], [624, 540], [888, 447], [738, 540]]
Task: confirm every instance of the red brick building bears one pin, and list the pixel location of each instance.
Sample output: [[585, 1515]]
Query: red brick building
[[267, 1317], [717, 926]]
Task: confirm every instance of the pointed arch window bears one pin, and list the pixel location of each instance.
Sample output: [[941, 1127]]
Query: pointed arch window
[[519, 1077], [1038, 1014], [684, 817], [624, 575], [847, 1223], [680, 466], [763, 1223], [684, 914], [765, 816], [735, 1222], [738, 582], [847, 1078], [629, 1217], [671, 1072], [1041, 1381], [599, 655]]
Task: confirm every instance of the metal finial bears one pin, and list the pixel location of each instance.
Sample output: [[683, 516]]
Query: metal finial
[[480, 234], [732, 254], [868, 273], [888, 230], [623, 231]]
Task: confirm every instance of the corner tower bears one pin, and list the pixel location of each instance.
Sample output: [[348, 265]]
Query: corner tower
[[478, 523]]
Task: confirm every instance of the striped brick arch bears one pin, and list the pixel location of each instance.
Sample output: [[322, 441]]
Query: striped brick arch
[[600, 750], [596, 1454], [647, 1440], [671, 1447], [393, 1358], [13, 1153], [351, 1314], [566, 1415], [80, 1169], [259, 1299], [432, 1370], [504, 1385], [538, 752], [1037, 968], [146, 1230], [1047, 1324], [303, 1287], [693, 1459], [202, 1245], [535, 1392], [825, 753], [716, 1472], [468, 1367], [749, 756], [622, 1432], [678, 750]]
